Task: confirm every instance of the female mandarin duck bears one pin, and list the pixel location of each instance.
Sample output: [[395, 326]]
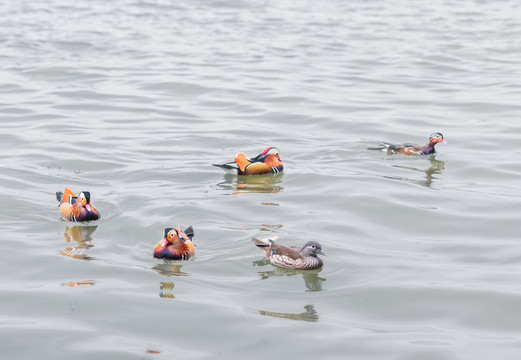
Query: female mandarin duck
[[412, 149], [266, 162], [176, 245], [74, 208], [291, 256]]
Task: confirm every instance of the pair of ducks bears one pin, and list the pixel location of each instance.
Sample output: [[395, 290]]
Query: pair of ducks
[[178, 245], [269, 161]]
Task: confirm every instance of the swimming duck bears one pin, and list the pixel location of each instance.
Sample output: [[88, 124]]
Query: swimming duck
[[266, 162], [292, 257], [176, 244], [76, 208], [412, 149]]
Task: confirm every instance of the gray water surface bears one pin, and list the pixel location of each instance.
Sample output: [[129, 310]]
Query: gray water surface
[[134, 100]]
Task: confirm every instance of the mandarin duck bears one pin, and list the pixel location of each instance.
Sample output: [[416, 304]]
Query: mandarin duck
[[176, 244], [76, 208], [292, 257], [266, 162], [412, 149]]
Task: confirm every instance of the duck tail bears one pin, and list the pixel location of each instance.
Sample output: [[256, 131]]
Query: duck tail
[[264, 245], [380, 147], [260, 243], [229, 168], [383, 147]]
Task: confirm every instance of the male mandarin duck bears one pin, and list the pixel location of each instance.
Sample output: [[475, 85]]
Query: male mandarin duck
[[292, 257], [266, 162], [76, 208], [176, 244], [412, 149]]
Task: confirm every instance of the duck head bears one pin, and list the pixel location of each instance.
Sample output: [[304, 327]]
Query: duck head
[[172, 235], [312, 248], [271, 154], [436, 138], [84, 200]]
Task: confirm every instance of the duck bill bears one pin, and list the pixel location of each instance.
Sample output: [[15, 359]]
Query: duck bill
[[88, 207], [443, 141], [321, 252]]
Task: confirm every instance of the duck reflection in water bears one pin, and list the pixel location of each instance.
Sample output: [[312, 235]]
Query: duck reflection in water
[[164, 289], [312, 281], [239, 184], [80, 283], [436, 168], [82, 235], [309, 314], [168, 269]]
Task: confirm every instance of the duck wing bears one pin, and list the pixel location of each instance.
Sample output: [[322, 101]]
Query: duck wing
[[280, 251]]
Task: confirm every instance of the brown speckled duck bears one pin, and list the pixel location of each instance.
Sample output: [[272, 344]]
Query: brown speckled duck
[[292, 257]]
